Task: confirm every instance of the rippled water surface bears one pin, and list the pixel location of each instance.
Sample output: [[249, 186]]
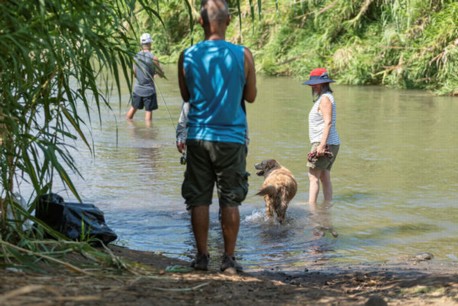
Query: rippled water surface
[[395, 179]]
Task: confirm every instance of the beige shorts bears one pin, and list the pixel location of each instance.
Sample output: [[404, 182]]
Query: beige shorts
[[323, 162]]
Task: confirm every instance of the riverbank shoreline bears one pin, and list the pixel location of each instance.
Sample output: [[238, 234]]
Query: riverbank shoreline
[[157, 279]]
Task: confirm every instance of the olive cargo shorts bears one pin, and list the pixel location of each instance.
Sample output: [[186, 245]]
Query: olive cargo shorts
[[223, 163]]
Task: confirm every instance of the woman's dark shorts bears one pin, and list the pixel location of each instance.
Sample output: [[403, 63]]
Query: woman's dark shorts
[[149, 103], [208, 163]]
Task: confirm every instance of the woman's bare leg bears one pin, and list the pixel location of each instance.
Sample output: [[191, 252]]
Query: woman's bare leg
[[327, 186], [314, 185]]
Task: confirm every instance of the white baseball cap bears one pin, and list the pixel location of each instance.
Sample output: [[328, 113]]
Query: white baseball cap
[[145, 38]]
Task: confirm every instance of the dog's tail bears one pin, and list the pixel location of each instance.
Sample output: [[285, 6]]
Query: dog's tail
[[268, 190]]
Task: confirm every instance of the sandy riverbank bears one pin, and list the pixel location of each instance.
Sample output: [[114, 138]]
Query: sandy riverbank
[[158, 280]]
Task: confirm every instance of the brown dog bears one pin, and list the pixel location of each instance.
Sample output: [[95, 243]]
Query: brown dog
[[278, 189]]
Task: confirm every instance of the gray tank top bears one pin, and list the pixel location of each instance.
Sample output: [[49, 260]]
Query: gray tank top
[[316, 122], [144, 86]]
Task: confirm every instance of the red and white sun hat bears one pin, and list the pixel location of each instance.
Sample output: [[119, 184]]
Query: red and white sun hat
[[318, 76]]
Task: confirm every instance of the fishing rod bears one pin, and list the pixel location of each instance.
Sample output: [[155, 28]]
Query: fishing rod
[[183, 154], [166, 106]]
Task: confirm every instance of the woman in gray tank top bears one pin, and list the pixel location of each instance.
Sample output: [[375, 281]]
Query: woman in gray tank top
[[323, 135]]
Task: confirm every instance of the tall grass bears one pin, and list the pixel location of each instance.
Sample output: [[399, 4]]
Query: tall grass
[[53, 54]]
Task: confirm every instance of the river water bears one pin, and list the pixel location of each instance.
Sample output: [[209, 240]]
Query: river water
[[395, 179]]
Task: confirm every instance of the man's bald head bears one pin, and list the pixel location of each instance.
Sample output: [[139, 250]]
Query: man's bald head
[[214, 11]]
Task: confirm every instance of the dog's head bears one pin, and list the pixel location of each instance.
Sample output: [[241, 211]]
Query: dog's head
[[266, 166]]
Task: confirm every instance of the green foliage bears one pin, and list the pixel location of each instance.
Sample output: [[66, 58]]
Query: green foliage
[[400, 43], [54, 54], [175, 28]]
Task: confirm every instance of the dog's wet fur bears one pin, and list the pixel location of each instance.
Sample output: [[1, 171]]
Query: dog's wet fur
[[279, 187]]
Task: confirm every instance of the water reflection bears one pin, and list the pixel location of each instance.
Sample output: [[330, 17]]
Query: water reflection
[[143, 135], [142, 130], [321, 220]]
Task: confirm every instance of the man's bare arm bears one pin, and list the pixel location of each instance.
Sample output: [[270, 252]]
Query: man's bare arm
[[181, 80], [250, 90]]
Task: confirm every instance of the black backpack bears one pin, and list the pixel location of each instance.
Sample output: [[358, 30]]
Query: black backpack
[[76, 221]]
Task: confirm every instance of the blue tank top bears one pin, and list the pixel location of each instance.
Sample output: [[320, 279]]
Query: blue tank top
[[215, 78]]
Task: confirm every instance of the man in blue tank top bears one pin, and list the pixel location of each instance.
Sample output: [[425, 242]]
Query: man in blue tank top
[[214, 76]]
